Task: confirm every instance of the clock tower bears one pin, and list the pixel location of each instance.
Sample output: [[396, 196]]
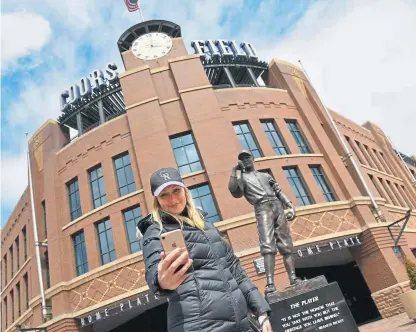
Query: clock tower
[[151, 43], [167, 93]]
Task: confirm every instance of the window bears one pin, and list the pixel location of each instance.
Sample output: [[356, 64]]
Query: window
[[44, 219], [131, 218], [19, 309], [274, 137], [74, 200], [204, 200], [389, 197], [105, 237], [16, 244], [12, 297], [47, 274], [354, 150], [374, 184], [322, 183], [81, 261], [124, 172], [6, 311], [97, 186], [247, 139], [24, 243], [5, 270], [298, 136], [11, 261], [26, 281], [299, 189], [186, 154]]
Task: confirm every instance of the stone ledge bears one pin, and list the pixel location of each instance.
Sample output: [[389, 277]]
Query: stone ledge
[[387, 299]]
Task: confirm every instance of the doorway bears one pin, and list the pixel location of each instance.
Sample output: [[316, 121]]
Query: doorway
[[353, 286], [152, 320]]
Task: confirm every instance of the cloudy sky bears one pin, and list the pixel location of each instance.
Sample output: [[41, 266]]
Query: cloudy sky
[[360, 55]]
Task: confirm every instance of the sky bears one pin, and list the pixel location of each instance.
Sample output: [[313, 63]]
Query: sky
[[360, 56]]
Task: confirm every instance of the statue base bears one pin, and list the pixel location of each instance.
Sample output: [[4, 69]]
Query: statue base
[[309, 306]]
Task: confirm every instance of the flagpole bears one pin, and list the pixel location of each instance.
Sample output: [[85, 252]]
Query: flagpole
[[346, 150], [140, 10], [35, 235]]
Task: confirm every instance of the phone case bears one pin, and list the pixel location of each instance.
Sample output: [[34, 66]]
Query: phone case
[[172, 240]]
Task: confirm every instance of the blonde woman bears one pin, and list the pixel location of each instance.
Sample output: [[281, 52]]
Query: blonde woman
[[205, 284]]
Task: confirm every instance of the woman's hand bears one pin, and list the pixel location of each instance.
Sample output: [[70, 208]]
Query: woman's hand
[[267, 327], [167, 277]]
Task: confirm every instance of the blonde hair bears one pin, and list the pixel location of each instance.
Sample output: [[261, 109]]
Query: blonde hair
[[194, 217]]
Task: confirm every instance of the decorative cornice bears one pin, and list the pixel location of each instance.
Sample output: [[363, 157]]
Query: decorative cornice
[[134, 70], [141, 103]]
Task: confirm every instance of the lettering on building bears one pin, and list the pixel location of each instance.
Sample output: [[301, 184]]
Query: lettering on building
[[140, 301], [88, 85], [216, 49], [314, 250]]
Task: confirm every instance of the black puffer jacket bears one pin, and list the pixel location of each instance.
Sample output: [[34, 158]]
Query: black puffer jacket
[[217, 291]]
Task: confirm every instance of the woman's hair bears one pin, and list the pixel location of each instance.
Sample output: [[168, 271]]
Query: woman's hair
[[194, 217]]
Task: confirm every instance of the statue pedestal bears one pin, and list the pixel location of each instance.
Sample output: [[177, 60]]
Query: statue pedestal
[[312, 305]]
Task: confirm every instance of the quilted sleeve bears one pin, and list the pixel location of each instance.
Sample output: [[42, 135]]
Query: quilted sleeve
[[152, 248], [255, 301]]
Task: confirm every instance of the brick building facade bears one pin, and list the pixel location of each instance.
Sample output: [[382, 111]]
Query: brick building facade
[[88, 192]]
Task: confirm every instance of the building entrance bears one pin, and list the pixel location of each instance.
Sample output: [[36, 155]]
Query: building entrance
[[353, 287], [152, 320]]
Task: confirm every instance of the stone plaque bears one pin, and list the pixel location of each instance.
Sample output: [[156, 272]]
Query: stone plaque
[[321, 309]]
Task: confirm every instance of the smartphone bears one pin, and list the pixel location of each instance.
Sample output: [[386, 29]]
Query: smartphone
[[172, 240]]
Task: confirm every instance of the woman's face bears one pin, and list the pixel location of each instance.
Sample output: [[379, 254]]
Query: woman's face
[[172, 199]]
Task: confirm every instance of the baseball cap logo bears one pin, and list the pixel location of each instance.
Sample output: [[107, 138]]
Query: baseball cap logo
[[164, 175]]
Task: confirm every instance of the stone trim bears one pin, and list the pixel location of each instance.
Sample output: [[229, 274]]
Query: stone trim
[[189, 175], [15, 276], [20, 319], [169, 101], [381, 172], [132, 71], [142, 103], [137, 192], [289, 156], [184, 57], [202, 87], [159, 69], [251, 88]]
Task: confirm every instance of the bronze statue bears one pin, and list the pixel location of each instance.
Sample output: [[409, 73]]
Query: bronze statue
[[265, 194]]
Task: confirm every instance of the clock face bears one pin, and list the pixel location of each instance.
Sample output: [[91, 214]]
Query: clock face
[[151, 46]]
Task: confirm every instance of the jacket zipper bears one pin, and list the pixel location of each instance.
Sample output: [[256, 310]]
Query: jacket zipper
[[226, 283]]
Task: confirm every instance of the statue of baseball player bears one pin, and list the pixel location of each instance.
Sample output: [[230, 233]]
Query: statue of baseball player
[[265, 194]]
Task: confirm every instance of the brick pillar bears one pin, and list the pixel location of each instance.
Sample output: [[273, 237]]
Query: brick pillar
[[383, 271]]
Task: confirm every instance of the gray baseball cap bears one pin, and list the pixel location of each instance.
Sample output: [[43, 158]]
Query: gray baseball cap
[[163, 178], [244, 153]]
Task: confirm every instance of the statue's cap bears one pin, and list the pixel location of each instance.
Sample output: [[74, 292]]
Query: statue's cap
[[244, 153]]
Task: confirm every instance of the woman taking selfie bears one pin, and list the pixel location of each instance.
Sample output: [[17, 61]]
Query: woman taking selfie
[[204, 282]]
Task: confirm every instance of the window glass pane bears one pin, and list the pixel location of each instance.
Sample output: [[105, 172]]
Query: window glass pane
[[126, 160], [191, 153], [124, 191], [237, 129], [175, 142], [196, 166], [187, 139], [121, 177], [93, 175], [244, 128], [131, 187], [95, 190], [180, 156], [118, 162]]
